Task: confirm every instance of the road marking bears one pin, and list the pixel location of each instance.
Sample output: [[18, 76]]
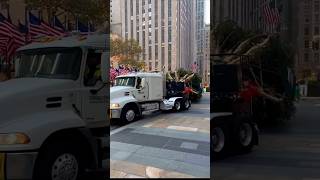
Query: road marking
[[182, 128]]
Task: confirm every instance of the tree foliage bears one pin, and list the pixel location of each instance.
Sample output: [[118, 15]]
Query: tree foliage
[[96, 11], [128, 51]]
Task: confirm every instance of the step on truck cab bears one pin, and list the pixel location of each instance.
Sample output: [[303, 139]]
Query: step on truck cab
[[137, 93], [53, 114]]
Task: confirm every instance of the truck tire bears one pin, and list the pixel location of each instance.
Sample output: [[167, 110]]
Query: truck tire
[[129, 113], [58, 161], [245, 133], [219, 141], [177, 105]]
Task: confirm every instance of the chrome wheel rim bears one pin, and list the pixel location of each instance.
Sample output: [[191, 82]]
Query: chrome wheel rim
[[130, 115], [245, 134], [65, 167], [218, 139], [178, 106]]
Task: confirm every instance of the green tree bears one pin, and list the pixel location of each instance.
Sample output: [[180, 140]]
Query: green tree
[[96, 11], [128, 51]]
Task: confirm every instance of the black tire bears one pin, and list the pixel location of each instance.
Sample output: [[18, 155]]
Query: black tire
[[177, 105], [55, 156], [219, 141], [129, 114], [245, 136]]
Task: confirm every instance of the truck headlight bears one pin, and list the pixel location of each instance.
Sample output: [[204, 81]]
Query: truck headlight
[[115, 105], [14, 138]]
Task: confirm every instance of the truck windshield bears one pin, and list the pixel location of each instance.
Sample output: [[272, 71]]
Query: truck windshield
[[125, 81], [55, 63]]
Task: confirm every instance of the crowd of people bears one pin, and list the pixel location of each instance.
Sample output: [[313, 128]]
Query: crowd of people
[[120, 70]]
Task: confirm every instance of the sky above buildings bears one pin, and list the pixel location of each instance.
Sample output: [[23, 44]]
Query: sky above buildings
[[207, 12]]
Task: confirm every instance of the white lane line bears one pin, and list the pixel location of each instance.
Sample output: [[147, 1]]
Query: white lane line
[[182, 128]]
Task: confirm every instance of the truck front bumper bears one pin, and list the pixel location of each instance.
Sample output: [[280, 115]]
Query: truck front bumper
[[14, 166], [115, 113]]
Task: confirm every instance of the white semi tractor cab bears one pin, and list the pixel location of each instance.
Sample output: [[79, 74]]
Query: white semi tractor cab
[[138, 93], [53, 114]]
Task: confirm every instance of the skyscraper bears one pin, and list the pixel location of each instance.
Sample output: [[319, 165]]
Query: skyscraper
[[163, 29], [199, 34], [115, 17], [308, 62]]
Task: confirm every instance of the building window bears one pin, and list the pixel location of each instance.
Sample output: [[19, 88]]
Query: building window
[[156, 52], [169, 57], [306, 31], [131, 28], [137, 6], [156, 35], [316, 17], [315, 45], [162, 13], [169, 8], [150, 53], [306, 44], [316, 30], [131, 7], [316, 58], [162, 55], [306, 57], [169, 34], [162, 35]]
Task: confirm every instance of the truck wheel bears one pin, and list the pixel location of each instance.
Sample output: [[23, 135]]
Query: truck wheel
[[219, 141], [245, 136], [128, 114], [177, 105], [59, 161]]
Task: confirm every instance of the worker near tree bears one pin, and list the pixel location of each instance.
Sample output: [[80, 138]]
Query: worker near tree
[[250, 91]]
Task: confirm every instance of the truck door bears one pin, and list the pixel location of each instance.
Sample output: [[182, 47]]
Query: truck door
[[142, 89], [94, 94]]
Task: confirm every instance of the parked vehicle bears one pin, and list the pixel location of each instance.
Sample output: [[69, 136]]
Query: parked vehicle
[[53, 121], [138, 93]]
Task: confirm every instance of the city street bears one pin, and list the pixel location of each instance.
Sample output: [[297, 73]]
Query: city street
[[163, 144], [287, 153]]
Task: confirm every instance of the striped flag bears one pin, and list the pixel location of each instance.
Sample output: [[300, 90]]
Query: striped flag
[[58, 25], [271, 12], [15, 38], [37, 27], [10, 30]]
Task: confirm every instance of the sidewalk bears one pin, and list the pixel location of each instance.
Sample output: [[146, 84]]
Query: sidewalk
[[166, 145]]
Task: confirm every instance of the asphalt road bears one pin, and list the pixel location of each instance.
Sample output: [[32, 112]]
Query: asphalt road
[[289, 152], [199, 108]]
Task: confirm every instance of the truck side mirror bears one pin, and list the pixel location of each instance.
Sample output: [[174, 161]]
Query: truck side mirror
[[105, 58]]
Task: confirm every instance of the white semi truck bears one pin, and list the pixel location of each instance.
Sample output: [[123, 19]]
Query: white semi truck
[[138, 93], [53, 114]]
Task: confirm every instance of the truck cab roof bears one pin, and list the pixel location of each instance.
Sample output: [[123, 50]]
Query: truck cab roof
[[99, 41], [144, 74]]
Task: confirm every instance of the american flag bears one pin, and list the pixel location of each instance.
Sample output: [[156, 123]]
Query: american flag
[[7, 29], [271, 12], [194, 67], [37, 27], [11, 37]]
